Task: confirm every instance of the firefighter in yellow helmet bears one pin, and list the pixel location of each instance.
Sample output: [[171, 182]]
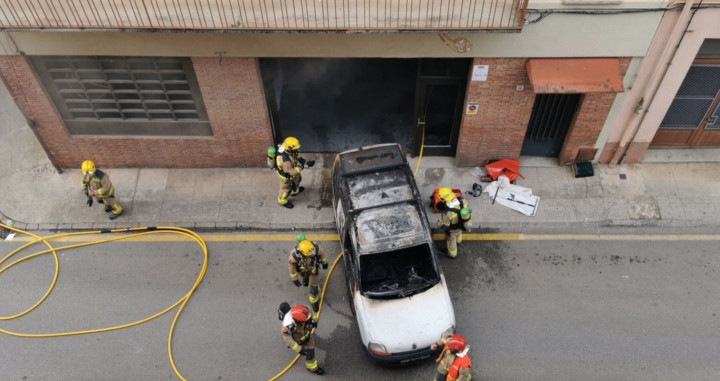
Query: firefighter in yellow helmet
[[455, 219], [96, 183], [288, 165], [304, 262], [454, 364], [298, 330]]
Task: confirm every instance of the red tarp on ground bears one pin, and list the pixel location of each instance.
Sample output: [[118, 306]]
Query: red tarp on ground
[[506, 167]]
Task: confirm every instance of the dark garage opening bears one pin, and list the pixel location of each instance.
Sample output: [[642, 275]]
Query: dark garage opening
[[335, 104]]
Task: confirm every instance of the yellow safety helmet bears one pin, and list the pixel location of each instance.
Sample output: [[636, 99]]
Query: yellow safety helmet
[[446, 194], [291, 144], [87, 167], [306, 248]]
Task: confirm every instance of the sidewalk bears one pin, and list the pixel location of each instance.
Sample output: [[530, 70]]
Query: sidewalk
[[670, 189]]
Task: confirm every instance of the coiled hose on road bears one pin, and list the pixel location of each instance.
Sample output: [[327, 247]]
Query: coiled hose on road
[[136, 232]]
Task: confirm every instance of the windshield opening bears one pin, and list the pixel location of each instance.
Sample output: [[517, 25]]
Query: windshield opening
[[398, 273]]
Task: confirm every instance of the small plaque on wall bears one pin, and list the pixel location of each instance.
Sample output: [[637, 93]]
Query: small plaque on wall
[[472, 108], [480, 72]]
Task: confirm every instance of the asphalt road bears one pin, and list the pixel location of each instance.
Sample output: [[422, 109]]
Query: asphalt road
[[544, 306]]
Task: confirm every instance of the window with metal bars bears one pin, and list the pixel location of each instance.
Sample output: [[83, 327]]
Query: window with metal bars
[[125, 95]]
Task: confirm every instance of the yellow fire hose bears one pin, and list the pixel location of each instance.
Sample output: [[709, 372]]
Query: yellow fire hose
[[422, 147], [140, 231]]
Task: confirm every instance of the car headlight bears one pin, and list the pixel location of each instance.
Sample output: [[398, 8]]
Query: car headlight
[[448, 331], [377, 349]]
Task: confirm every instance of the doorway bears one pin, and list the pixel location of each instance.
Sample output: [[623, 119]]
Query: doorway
[[334, 104], [550, 121], [440, 95]]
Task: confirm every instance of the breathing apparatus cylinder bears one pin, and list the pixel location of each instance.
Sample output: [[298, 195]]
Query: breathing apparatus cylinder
[[271, 154], [465, 215]]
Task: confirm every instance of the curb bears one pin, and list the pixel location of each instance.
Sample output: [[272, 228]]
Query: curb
[[244, 226], [10, 222]]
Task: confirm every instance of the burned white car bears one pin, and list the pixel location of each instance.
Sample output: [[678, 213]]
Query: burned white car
[[397, 289]]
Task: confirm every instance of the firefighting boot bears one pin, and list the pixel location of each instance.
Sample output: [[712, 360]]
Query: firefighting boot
[[288, 205], [117, 210], [306, 281], [319, 371], [108, 208], [297, 191]]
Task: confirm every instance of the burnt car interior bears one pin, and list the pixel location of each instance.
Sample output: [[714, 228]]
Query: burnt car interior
[[398, 273]]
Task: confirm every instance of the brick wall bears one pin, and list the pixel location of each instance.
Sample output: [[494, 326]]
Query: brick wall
[[498, 129], [589, 121], [234, 99]]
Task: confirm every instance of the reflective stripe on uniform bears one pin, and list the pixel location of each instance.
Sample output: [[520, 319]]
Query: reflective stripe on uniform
[[283, 199]]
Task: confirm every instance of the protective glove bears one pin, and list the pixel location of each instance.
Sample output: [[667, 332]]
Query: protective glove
[[325, 266], [89, 201], [310, 163], [302, 352], [296, 282]]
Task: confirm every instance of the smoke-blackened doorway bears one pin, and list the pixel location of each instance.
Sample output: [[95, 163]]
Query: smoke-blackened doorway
[[335, 104]]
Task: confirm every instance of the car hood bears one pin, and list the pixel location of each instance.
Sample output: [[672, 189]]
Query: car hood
[[409, 323]]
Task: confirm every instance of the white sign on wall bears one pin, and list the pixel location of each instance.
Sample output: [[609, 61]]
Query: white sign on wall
[[480, 72]]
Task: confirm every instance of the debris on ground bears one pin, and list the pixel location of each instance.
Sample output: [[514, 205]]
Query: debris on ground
[[513, 196]]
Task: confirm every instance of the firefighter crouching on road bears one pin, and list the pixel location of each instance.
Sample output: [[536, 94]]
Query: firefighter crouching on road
[[453, 363], [304, 261], [96, 183], [298, 330], [288, 165], [455, 219]]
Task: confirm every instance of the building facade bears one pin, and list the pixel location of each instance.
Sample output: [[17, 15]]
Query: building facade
[[162, 86], [674, 99]]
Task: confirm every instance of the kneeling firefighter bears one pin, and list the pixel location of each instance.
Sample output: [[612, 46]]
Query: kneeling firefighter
[[304, 261], [453, 363], [455, 219], [298, 330]]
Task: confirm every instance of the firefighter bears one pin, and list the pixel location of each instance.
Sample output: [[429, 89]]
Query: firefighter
[[298, 329], [288, 165], [96, 183], [304, 261], [455, 219], [453, 362]]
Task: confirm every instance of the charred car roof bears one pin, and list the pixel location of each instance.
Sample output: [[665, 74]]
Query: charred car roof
[[383, 199]]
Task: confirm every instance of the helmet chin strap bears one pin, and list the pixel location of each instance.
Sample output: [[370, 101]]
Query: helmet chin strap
[[464, 351]]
